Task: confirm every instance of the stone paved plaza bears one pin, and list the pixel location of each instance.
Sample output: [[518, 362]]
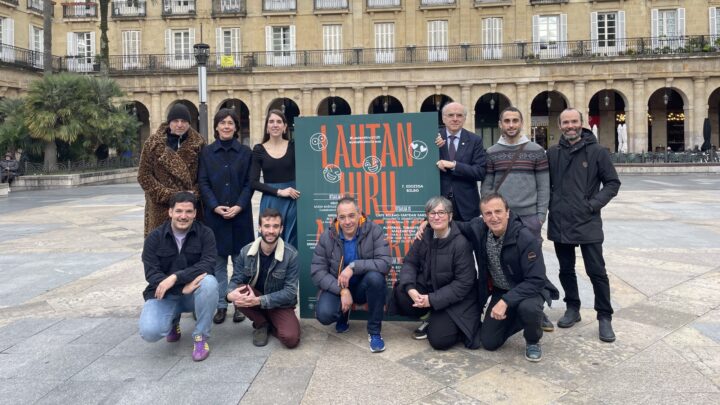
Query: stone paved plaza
[[71, 294]]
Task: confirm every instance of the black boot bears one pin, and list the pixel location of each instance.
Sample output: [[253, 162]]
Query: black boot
[[238, 316], [220, 315], [606, 330], [571, 317]]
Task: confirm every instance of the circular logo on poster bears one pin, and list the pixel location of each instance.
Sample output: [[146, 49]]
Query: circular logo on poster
[[418, 150], [332, 173], [372, 165], [318, 142]]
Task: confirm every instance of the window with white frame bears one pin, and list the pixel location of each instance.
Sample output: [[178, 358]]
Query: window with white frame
[[36, 45], [179, 48], [668, 28], [7, 39], [714, 13], [437, 40], [384, 42], [131, 49], [228, 47], [607, 32], [550, 35], [80, 51], [492, 37], [332, 44], [280, 45]]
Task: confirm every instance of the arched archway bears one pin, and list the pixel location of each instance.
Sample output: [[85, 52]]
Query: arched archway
[[607, 111], [333, 105], [436, 102], [385, 105], [666, 120], [544, 112], [142, 114], [242, 110], [714, 116], [487, 115], [289, 108], [194, 114]]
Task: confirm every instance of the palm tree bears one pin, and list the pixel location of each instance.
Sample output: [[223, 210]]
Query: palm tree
[[13, 131], [53, 112]]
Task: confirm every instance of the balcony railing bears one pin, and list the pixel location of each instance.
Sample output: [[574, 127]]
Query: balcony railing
[[229, 7], [79, 10], [534, 2], [11, 2], [25, 58], [584, 50], [324, 5], [279, 5], [383, 3], [436, 3], [129, 8], [178, 7]]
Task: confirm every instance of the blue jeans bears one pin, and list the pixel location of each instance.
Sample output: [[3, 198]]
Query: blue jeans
[[221, 275], [370, 289], [158, 316]]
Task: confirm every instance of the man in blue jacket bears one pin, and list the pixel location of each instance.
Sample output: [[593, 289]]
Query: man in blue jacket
[[579, 166], [179, 260], [512, 273]]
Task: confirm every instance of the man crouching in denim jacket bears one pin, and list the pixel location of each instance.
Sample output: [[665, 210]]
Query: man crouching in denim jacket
[[264, 283]]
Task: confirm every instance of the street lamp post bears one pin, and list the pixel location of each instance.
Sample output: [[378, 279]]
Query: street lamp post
[[202, 53]]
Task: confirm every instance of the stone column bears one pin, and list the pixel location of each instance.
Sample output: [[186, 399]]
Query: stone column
[[256, 117], [156, 112], [522, 104], [637, 133], [579, 99], [465, 100], [700, 108], [307, 109], [411, 98], [359, 103]]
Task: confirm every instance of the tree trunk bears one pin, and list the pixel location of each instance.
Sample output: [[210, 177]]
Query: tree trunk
[[104, 46], [50, 155], [47, 38]]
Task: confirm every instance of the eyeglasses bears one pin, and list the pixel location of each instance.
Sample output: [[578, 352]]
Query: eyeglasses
[[439, 214]]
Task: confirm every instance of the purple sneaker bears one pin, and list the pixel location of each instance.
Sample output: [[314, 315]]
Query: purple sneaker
[[174, 334], [201, 350]]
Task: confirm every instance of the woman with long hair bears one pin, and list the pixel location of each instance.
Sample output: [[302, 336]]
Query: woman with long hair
[[275, 158]]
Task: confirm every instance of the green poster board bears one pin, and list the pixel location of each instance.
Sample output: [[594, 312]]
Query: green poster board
[[386, 161]]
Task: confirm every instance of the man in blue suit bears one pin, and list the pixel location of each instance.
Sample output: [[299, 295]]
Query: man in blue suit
[[461, 164]]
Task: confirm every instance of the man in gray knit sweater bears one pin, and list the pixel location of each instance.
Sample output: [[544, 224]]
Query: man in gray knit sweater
[[517, 168]]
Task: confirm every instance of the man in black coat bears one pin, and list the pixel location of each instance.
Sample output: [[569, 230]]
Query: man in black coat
[[579, 166], [512, 273], [461, 164]]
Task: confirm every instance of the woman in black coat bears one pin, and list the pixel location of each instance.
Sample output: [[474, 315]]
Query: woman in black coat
[[225, 189], [438, 275]]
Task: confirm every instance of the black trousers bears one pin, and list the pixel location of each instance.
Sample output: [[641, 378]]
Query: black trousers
[[442, 333], [595, 269], [527, 316]]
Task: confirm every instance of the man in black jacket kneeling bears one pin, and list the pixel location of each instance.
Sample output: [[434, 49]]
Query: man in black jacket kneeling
[[512, 273]]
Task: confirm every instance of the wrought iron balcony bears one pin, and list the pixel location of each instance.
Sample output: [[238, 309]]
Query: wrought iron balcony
[[329, 5], [380, 4], [129, 9], [11, 2], [178, 8], [25, 58], [79, 10], [480, 3], [229, 8], [279, 5], [480, 54], [437, 3], [536, 2]]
